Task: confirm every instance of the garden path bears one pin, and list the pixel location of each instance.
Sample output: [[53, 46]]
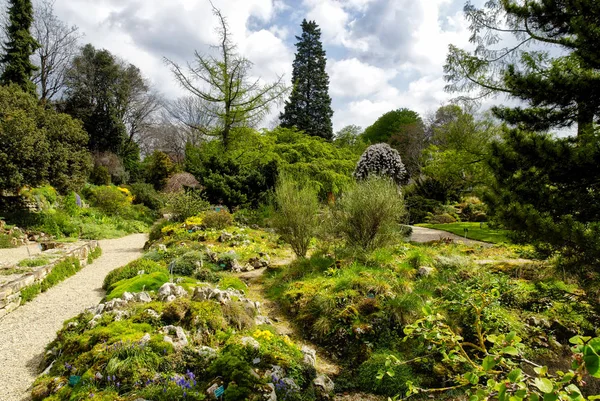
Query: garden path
[[25, 332], [15, 255], [423, 235]]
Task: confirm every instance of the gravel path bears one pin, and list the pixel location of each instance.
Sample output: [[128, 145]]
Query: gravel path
[[25, 332], [422, 234]]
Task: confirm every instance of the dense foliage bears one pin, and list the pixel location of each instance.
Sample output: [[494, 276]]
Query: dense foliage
[[382, 161], [38, 145]]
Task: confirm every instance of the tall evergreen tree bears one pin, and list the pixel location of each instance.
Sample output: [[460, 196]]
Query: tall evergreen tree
[[309, 106], [19, 46]]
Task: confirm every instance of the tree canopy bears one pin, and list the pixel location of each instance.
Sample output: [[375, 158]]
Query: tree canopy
[[309, 106]]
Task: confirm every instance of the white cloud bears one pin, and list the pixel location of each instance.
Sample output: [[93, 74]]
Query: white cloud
[[353, 78]]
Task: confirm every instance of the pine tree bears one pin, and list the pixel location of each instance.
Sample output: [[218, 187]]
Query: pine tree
[[560, 91], [19, 46], [309, 106]]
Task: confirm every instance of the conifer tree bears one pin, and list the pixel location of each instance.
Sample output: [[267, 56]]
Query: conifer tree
[[309, 106], [19, 46]]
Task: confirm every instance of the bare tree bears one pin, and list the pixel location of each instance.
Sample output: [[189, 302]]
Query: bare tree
[[59, 45], [222, 83]]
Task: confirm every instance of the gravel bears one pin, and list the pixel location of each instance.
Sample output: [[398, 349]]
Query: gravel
[[15, 255], [25, 332]]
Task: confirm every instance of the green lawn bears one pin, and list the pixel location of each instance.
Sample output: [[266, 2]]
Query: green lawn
[[475, 232]]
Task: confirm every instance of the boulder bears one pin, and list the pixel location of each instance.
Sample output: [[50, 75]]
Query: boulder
[[143, 297], [425, 271], [310, 356], [175, 335], [170, 291], [250, 342], [225, 237], [324, 387], [207, 353], [258, 320]]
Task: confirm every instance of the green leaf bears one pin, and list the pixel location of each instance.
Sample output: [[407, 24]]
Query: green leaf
[[534, 397], [473, 398], [550, 397], [510, 351], [515, 375], [472, 378], [488, 362], [591, 357], [544, 385], [541, 370]]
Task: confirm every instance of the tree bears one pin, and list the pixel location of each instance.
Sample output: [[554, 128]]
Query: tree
[[405, 131], [39, 145], [112, 99], [58, 46], [19, 46], [223, 85], [309, 106], [349, 136], [559, 90]]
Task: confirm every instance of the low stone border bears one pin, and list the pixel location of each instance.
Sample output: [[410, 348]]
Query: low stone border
[[10, 293]]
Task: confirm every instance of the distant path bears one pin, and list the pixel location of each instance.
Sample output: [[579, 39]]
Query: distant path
[[25, 332], [422, 235], [15, 255]]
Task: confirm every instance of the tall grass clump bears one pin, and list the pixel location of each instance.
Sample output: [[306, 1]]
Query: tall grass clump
[[369, 214], [296, 217]]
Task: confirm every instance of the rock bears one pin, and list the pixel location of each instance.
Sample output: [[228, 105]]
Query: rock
[[225, 237], [146, 339], [258, 320], [162, 247], [127, 297], [310, 356], [143, 297], [259, 263], [114, 304], [250, 342], [121, 315], [152, 313], [170, 291], [324, 387], [99, 309], [270, 395], [207, 353], [179, 341], [235, 266], [94, 322], [538, 322], [425, 271]]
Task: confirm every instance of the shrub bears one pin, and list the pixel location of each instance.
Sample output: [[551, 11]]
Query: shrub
[[382, 161], [30, 292], [156, 230], [443, 218], [388, 385], [131, 270], [111, 200], [217, 220], [61, 271], [370, 213], [143, 282], [100, 176], [187, 264], [158, 168], [34, 262], [69, 204], [183, 205], [296, 215], [145, 194]]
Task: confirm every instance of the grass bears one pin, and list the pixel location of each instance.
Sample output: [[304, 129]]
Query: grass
[[34, 262], [476, 231]]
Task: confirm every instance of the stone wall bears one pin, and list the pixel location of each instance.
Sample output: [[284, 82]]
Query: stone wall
[[10, 293]]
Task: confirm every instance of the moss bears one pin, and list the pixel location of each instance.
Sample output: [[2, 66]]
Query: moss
[[34, 262], [95, 254], [61, 271], [30, 292], [131, 270], [230, 281], [144, 282]]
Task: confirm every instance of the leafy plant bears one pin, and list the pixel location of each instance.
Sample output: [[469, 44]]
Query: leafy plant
[[130, 270], [369, 214], [217, 220], [296, 217]]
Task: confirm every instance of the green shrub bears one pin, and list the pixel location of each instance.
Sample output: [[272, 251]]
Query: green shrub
[[145, 194], [131, 270], [158, 167], [296, 217], [156, 230], [217, 220], [110, 199], [100, 175], [187, 264], [232, 282], [6, 241], [443, 218], [369, 214], [95, 254], [69, 204], [390, 386], [183, 205], [143, 282], [61, 271]]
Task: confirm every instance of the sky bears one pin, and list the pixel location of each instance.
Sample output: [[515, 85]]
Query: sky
[[381, 54]]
